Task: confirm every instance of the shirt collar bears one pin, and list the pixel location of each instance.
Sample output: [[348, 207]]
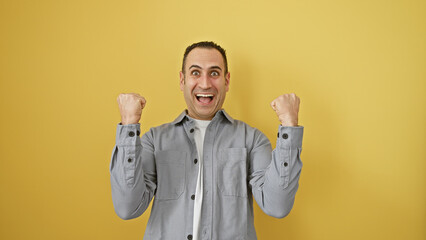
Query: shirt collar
[[219, 113]]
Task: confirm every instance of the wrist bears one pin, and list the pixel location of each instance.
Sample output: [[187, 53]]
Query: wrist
[[127, 121], [288, 122]]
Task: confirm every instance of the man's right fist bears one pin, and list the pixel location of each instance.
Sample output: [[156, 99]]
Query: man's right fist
[[130, 105]]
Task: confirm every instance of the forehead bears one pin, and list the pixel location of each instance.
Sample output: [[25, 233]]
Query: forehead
[[205, 58]]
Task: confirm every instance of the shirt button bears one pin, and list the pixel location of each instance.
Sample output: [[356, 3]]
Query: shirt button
[[195, 161], [189, 237], [192, 130], [278, 134], [193, 197], [129, 160], [285, 135], [138, 133], [285, 164], [131, 134]]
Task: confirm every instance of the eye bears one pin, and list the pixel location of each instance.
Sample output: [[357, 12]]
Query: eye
[[195, 73], [214, 74]]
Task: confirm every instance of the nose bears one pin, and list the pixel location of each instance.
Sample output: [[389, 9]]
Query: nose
[[204, 82]]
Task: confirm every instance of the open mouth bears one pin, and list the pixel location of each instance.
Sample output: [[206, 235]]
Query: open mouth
[[204, 98]]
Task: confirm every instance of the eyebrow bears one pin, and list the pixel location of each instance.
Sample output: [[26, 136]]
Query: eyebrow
[[216, 67], [212, 67], [195, 66]]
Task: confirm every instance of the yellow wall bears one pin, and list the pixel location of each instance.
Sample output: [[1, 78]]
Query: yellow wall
[[359, 68]]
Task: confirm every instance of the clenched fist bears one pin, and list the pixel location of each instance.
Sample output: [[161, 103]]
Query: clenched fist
[[287, 109], [130, 105]]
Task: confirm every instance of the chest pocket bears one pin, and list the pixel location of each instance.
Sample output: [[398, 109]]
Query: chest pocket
[[170, 174], [232, 172]]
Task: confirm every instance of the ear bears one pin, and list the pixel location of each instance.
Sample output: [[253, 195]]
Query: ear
[[182, 80], [227, 79]]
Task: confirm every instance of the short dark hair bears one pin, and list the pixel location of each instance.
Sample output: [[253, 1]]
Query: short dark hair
[[208, 45]]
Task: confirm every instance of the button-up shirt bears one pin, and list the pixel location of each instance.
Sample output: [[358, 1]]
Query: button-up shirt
[[239, 165]]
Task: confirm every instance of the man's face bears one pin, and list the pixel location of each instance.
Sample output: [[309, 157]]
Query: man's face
[[204, 83]]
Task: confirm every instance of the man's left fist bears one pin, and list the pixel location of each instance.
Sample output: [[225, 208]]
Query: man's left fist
[[287, 109]]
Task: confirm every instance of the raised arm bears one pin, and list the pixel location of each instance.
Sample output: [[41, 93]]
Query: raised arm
[[274, 176], [132, 168]]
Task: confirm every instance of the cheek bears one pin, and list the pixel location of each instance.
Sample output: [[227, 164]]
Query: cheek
[[220, 86], [189, 87]]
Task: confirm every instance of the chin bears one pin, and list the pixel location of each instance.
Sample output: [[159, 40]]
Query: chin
[[208, 114]]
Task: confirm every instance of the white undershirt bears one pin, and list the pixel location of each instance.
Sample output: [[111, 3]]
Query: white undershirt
[[200, 131]]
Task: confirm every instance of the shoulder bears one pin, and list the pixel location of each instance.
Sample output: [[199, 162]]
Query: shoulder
[[161, 129], [249, 129], [251, 133]]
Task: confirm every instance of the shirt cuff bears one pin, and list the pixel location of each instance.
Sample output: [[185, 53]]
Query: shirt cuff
[[127, 135], [290, 137]]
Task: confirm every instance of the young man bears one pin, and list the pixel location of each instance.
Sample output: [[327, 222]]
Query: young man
[[205, 167]]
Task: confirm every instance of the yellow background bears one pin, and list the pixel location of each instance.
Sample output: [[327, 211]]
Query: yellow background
[[358, 67]]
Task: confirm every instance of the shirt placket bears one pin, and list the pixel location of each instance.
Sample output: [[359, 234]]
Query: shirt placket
[[209, 179], [192, 169]]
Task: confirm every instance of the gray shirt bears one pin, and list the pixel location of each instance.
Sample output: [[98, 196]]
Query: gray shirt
[[239, 164]]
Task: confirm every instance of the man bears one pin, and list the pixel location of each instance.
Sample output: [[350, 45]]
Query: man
[[205, 167]]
